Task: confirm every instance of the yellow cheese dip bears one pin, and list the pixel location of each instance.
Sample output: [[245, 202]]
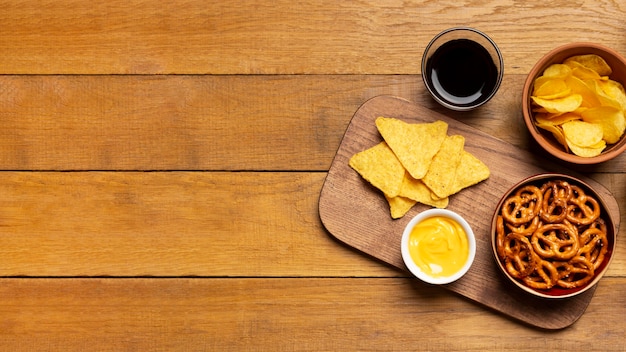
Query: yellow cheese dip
[[439, 247]]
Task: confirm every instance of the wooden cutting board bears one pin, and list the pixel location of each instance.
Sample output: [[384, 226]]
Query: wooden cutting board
[[358, 215]]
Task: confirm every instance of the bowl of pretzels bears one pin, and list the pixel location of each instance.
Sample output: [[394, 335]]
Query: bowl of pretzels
[[552, 236]]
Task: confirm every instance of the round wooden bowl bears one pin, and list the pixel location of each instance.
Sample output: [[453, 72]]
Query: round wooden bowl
[[557, 291], [558, 55]]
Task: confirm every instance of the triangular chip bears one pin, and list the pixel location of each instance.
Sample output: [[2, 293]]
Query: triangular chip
[[399, 206], [380, 167], [415, 145], [470, 171], [440, 175], [418, 191]]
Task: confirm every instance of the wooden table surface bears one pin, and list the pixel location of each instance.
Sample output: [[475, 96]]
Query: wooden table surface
[[161, 166]]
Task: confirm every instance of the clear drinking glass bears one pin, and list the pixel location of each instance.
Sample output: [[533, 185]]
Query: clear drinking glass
[[462, 68]]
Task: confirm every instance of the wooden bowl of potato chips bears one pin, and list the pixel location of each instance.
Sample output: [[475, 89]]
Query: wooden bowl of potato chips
[[574, 103]]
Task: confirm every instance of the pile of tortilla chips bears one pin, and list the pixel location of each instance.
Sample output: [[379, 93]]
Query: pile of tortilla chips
[[578, 103], [418, 162]]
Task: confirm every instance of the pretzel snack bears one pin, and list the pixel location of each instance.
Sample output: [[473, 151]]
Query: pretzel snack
[[551, 235]]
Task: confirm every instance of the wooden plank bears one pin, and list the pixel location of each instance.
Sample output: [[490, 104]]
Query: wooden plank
[[169, 224], [321, 314], [177, 122], [180, 223], [198, 122], [276, 37], [358, 214], [69, 101]]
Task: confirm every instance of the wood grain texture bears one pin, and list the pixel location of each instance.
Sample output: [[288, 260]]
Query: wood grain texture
[[181, 223], [320, 314], [237, 109], [169, 224], [358, 214], [280, 37], [171, 122], [198, 122]]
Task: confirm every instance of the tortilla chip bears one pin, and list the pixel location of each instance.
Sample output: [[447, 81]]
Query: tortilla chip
[[415, 145], [399, 206], [441, 174], [380, 167], [416, 190], [447, 167], [470, 172]]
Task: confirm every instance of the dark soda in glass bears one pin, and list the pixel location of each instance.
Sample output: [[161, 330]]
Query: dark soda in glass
[[462, 73]]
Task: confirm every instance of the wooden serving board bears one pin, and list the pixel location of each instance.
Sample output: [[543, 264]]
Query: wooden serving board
[[358, 215]]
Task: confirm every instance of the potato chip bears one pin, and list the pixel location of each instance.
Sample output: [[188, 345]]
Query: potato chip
[[557, 71], [552, 89], [605, 99], [591, 61], [614, 90], [588, 118], [560, 105], [589, 96], [539, 81], [556, 131], [418, 191], [415, 145], [582, 134], [440, 175], [582, 72], [399, 206], [557, 119], [610, 119], [380, 167], [469, 172], [587, 152]]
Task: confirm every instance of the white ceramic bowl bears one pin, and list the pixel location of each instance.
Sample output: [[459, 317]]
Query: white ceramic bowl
[[410, 264]]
